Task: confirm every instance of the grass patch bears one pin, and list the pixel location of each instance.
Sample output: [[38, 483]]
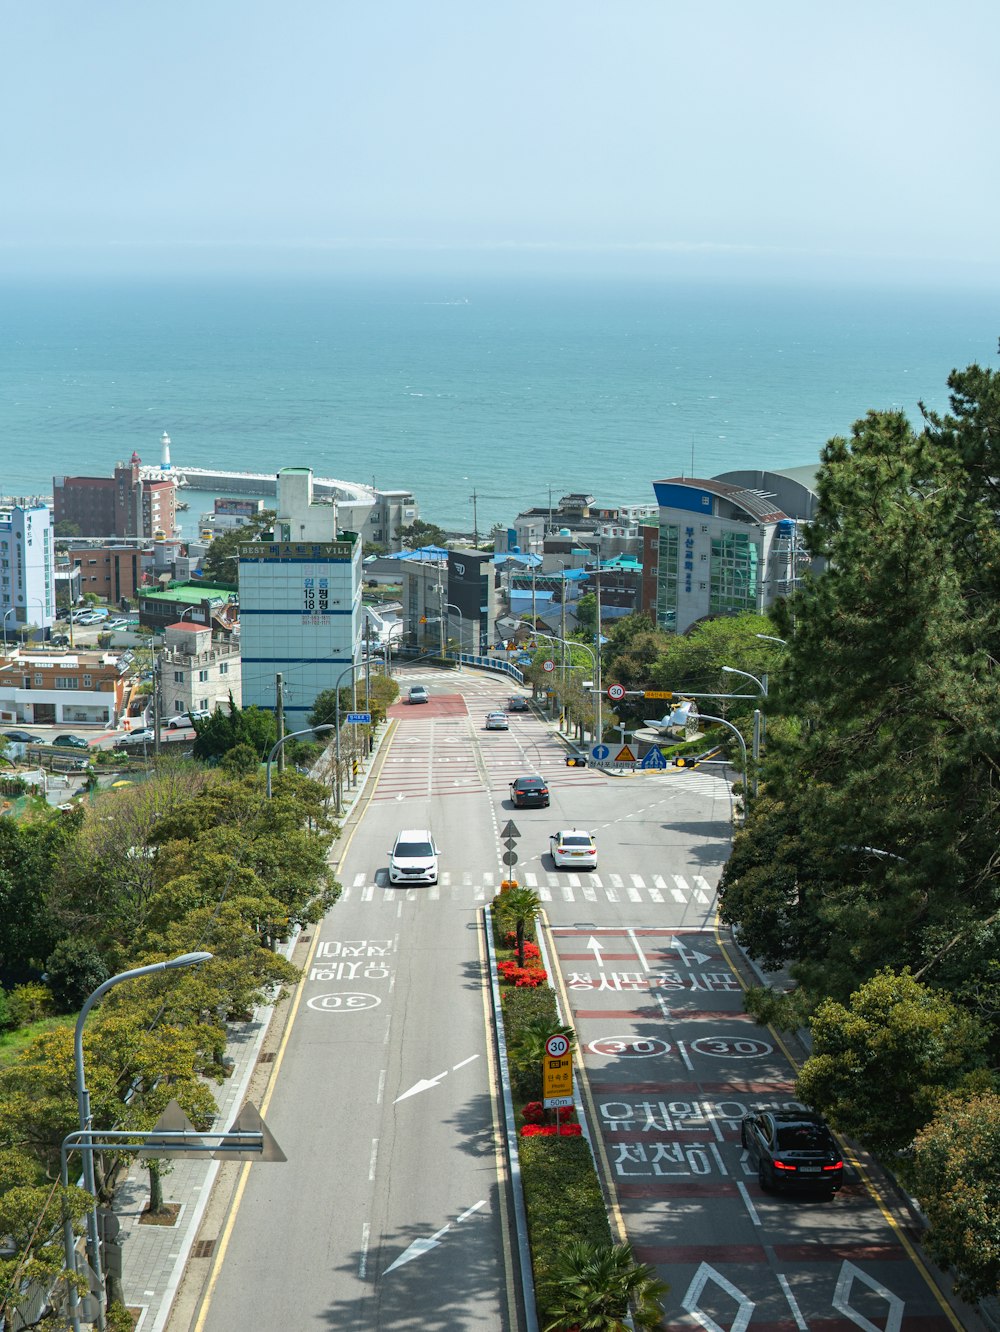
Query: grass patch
[[13, 1042]]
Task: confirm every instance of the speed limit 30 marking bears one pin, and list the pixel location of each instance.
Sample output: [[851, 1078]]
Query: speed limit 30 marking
[[628, 1047]]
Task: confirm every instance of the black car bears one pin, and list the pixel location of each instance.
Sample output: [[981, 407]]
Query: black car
[[517, 703], [529, 791], [71, 741], [792, 1149], [20, 737]]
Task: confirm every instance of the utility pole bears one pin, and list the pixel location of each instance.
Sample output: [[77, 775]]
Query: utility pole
[[157, 671], [597, 647], [562, 634], [440, 589], [279, 714], [534, 614], [475, 520]]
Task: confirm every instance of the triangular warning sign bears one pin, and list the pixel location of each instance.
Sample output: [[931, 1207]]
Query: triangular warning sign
[[624, 755], [172, 1120], [249, 1121]]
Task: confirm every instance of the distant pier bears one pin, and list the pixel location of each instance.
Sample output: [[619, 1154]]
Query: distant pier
[[265, 484]]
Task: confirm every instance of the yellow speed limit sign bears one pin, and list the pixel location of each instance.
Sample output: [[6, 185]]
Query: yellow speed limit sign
[[557, 1073]]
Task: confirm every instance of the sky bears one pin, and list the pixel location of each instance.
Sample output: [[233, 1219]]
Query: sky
[[860, 135]]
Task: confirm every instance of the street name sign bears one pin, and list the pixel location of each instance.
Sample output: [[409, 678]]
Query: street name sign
[[359, 718]]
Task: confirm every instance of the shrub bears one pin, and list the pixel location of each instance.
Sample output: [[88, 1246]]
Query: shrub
[[563, 1200], [6, 1020], [30, 1003]]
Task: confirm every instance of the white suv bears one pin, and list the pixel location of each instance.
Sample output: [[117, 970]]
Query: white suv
[[414, 858]]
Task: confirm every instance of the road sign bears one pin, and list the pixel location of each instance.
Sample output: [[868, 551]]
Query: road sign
[[657, 693], [510, 829], [359, 718], [557, 1082], [654, 759], [548, 665], [624, 755], [556, 1046], [600, 753], [509, 857], [616, 692], [510, 843]]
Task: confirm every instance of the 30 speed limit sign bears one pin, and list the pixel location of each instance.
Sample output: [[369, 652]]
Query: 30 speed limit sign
[[548, 665], [616, 692], [556, 1046]]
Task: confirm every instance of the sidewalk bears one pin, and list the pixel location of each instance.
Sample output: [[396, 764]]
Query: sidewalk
[[154, 1257]]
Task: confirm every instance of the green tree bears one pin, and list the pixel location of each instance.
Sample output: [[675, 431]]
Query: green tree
[[895, 1036], [597, 1286], [420, 533], [518, 908], [956, 1176], [252, 726], [221, 562], [74, 970], [881, 772]]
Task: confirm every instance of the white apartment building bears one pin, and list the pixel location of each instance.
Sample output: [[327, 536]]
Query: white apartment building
[[27, 567], [300, 603], [197, 670]]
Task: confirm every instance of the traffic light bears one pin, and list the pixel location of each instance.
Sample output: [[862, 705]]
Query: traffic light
[[575, 761], [681, 762]]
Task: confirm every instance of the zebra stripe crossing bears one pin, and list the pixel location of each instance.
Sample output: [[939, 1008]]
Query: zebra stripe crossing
[[549, 887]]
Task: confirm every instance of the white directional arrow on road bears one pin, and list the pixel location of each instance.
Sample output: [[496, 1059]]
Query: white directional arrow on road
[[595, 947], [425, 1084], [688, 956], [422, 1246]]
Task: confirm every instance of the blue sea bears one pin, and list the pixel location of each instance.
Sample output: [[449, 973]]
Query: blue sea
[[515, 391]]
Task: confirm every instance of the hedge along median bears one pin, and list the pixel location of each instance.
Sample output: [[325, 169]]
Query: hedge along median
[[563, 1201]]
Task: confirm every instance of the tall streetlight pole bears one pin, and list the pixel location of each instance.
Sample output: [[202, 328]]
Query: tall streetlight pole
[[703, 716], [762, 686], [309, 730], [84, 1116], [336, 689], [11, 611]]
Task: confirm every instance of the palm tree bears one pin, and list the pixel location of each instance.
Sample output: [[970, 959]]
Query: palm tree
[[594, 1286], [520, 907]]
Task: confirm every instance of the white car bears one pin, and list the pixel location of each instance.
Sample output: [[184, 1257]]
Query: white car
[[414, 857], [181, 721], [573, 849], [497, 721]]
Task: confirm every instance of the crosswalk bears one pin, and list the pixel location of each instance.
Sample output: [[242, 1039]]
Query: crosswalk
[[682, 889]]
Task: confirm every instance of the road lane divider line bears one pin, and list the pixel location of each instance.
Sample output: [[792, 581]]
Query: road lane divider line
[[513, 1233], [234, 1207], [748, 1202], [551, 959]]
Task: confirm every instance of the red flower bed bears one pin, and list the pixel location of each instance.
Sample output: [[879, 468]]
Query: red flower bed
[[551, 1131], [530, 949], [511, 974]]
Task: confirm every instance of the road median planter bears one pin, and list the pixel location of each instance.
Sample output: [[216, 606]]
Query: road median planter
[[563, 1200]]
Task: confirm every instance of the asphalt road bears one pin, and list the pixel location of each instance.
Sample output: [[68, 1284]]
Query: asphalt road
[[392, 1211]]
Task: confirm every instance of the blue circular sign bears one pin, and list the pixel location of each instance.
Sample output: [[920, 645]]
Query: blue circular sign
[[600, 752]]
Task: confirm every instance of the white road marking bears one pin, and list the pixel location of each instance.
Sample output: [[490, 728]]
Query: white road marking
[[748, 1204], [800, 1322], [366, 1231], [682, 889]]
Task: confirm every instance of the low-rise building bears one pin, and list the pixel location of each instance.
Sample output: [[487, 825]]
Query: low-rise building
[[112, 570], [203, 603], [50, 688], [198, 670]]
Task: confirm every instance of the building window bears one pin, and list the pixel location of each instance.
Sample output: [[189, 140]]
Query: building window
[[178, 677], [733, 574], [224, 668], [668, 547], [66, 682], [202, 676], [39, 678], [88, 681]]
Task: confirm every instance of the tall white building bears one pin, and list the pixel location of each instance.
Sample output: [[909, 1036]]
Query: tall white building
[[27, 567], [300, 603]]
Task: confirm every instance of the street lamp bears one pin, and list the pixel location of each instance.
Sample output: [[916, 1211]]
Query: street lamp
[[11, 611], [450, 606], [309, 730], [594, 660], [703, 716], [770, 638], [84, 1116], [762, 686]]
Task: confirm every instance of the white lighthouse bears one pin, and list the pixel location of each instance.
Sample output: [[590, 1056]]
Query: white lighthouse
[[165, 452]]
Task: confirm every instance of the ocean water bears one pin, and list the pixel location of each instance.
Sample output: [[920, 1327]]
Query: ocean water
[[515, 391]]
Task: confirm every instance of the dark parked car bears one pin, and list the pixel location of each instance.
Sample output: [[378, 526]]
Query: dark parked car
[[529, 791], [517, 703], [792, 1149], [71, 741], [20, 737]]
